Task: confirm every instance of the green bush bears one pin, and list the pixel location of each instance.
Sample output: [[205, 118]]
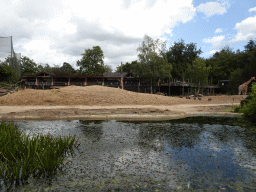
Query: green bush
[[21, 157], [237, 109], [8, 74], [249, 106], [246, 100]]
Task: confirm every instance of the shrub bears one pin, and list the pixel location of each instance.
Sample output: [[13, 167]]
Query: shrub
[[237, 109], [249, 106], [246, 100]]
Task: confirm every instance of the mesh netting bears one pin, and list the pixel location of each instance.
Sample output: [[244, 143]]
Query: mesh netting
[[7, 54]]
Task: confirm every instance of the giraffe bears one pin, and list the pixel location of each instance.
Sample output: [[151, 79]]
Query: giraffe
[[243, 88]]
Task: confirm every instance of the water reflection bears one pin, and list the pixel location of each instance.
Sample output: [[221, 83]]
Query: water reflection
[[146, 156]]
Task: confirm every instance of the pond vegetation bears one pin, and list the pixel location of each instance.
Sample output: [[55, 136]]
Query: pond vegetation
[[21, 156]]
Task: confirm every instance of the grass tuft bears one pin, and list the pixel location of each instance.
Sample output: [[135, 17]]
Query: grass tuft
[[21, 157]]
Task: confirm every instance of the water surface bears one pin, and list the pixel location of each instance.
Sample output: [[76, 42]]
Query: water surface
[[199, 153]]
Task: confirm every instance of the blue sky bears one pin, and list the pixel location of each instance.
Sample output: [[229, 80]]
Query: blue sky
[[59, 31], [212, 32]]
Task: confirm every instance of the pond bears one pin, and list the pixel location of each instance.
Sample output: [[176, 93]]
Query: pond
[[192, 154]]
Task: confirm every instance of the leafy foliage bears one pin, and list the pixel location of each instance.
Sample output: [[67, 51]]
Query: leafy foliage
[[249, 106], [181, 55], [198, 72], [108, 68], [67, 69], [153, 60], [28, 66], [250, 45], [92, 62], [222, 64], [128, 67], [7, 74]]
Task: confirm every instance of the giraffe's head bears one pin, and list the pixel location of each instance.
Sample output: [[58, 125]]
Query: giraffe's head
[[253, 77]]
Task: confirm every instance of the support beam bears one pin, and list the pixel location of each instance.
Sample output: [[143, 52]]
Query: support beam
[[169, 86]]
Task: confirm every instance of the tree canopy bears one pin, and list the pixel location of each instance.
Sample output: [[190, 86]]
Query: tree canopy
[[153, 62], [128, 67], [198, 72], [92, 62], [7, 73], [181, 55], [28, 66]]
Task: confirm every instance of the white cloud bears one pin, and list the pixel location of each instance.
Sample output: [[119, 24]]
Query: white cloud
[[213, 51], [219, 30], [252, 9], [245, 30], [59, 31], [215, 41], [212, 8]]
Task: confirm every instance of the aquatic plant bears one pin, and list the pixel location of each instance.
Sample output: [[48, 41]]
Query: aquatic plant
[[21, 157]]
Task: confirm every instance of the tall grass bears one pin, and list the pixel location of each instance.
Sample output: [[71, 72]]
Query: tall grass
[[21, 157]]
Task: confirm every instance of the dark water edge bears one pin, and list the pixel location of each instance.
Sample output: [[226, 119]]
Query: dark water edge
[[192, 154]]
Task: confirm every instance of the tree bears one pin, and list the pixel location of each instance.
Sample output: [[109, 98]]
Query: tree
[[55, 70], [153, 60], [182, 55], [67, 69], [108, 69], [47, 68], [40, 67], [7, 73], [92, 62], [250, 45], [245, 68], [222, 64], [128, 67], [28, 66], [235, 80], [198, 73]]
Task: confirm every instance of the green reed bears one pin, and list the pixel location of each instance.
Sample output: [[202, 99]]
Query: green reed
[[21, 157]]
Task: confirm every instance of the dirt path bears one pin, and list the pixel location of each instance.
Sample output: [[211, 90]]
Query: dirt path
[[135, 112], [102, 103]]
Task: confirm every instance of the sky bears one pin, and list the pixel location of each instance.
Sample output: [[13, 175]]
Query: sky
[[59, 31]]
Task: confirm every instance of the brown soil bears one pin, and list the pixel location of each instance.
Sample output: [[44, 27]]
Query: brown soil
[[99, 95], [98, 102]]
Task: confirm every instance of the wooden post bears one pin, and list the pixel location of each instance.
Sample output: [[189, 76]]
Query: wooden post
[[169, 86], [122, 82], [151, 86], [183, 86], [139, 86]]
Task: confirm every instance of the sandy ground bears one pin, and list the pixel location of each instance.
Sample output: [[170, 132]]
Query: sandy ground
[[103, 103]]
